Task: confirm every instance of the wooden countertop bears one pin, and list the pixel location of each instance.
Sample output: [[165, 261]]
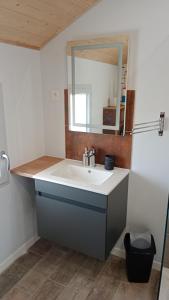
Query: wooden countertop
[[35, 166]]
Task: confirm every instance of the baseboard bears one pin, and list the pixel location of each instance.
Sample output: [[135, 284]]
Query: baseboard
[[24, 248], [19, 252], [157, 265], [121, 253], [118, 252]]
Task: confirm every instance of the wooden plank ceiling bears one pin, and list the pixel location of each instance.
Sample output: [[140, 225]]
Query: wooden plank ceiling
[[106, 55], [32, 23]]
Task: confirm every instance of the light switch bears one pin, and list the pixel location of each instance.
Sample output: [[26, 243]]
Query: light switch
[[55, 95]]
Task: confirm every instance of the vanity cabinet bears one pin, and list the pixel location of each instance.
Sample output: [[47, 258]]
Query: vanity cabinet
[[85, 221]]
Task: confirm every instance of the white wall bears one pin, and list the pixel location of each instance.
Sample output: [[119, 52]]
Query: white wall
[[148, 74], [20, 79]]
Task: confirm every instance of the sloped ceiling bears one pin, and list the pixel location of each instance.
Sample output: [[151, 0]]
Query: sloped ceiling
[[32, 23], [102, 53]]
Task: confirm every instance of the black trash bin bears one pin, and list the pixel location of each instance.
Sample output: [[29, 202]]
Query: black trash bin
[[139, 261]]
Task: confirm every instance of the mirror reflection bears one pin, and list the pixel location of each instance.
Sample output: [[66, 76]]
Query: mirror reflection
[[97, 83]]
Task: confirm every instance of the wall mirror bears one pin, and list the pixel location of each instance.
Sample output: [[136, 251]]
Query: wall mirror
[[97, 84]]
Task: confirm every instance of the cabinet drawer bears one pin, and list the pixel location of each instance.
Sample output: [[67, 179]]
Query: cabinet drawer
[[73, 226], [71, 193]]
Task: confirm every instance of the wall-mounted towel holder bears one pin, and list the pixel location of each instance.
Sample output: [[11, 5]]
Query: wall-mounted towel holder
[[4, 168], [4, 156], [157, 125]]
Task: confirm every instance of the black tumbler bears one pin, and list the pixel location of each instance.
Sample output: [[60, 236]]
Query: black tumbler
[[109, 162]]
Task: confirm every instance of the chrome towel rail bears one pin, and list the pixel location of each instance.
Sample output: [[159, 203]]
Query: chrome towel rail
[[4, 156], [157, 125]]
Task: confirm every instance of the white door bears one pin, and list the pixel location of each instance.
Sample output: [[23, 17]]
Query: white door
[[4, 160]]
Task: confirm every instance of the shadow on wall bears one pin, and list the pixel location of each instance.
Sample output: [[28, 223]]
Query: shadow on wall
[[4, 175], [3, 142], [147, 208]]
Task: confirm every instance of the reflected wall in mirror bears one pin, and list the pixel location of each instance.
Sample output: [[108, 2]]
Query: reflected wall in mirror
[[97, 84]]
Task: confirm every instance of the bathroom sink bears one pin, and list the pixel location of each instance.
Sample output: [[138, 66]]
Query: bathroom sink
[[72, 173], [84, 175]]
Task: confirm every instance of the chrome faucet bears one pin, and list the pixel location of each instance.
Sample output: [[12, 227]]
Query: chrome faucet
[[89, 157], [92, 157]]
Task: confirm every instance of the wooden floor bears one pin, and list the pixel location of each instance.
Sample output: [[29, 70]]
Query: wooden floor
[[48, 272], [164, 288]]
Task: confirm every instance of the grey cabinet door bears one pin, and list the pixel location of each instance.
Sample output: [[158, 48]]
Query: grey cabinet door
[[71, 225]]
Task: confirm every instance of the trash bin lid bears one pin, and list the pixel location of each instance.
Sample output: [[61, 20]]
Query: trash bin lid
[[140, 240], [141, 243]]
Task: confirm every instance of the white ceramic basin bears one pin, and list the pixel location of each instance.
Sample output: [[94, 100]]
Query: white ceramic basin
[[72, 173], [83, 175]]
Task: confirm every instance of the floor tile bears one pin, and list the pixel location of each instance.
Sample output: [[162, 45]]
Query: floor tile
[[80, 281], [115, 267], [67, 268], [16, 271], [78, 288], [104, 288], [16, 294], [50, 272], [31, 282], [7, 283], [23, 264], [164, 287], [41, 247], [92, 267], [72, 293], [130, 291], [48, 291], [47, 265]]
